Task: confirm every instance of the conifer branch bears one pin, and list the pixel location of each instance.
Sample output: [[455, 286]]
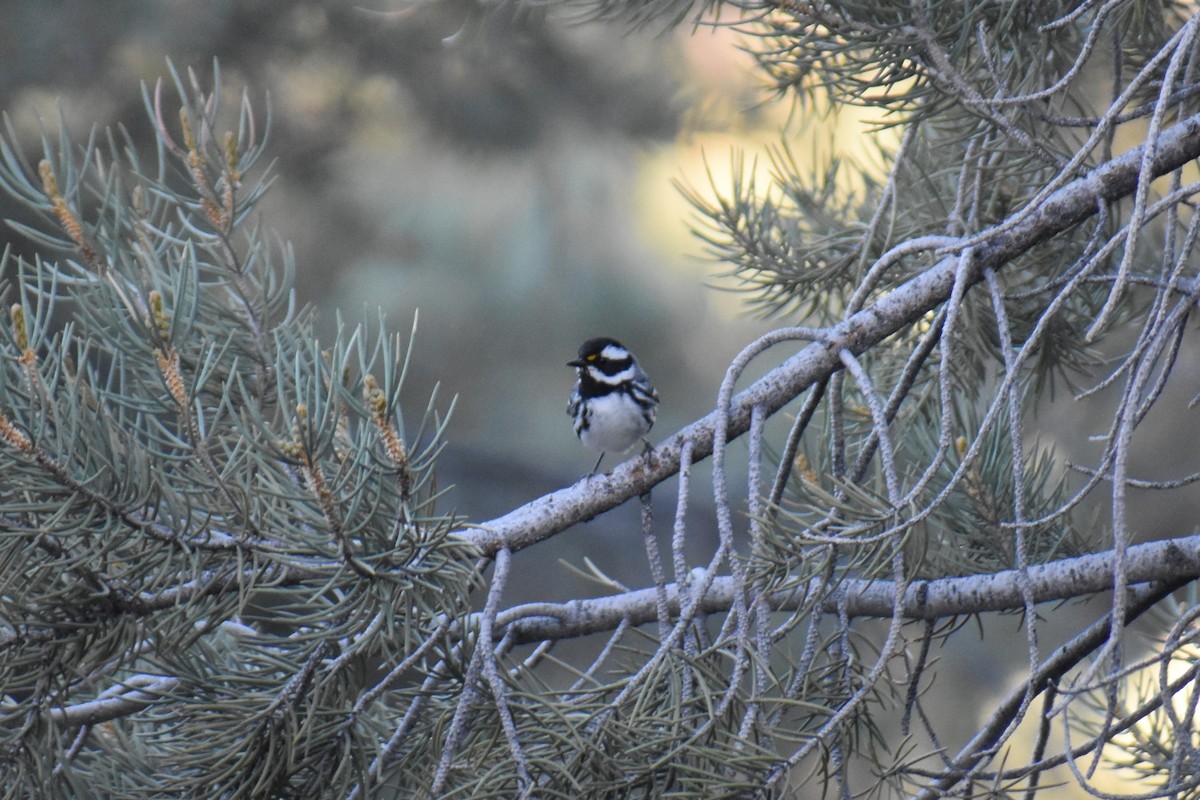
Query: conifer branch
[[1061, 211], [1169, 560]]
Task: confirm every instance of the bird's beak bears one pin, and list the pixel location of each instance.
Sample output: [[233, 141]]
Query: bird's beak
[[576, 363]]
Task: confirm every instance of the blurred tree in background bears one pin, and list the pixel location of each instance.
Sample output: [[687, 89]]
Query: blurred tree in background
[[232, 568]]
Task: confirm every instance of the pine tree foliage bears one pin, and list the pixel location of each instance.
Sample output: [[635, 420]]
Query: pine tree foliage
[[226, 574], [220, 540]]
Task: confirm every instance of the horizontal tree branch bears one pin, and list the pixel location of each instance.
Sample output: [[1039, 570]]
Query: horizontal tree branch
[[1167, 560], [129, 697], [1170, 560], [1059, 212]]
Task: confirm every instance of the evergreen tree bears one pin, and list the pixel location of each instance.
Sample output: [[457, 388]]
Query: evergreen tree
[[227, 572]]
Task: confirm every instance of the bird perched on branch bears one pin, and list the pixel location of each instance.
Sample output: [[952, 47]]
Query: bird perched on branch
[[613, 403]]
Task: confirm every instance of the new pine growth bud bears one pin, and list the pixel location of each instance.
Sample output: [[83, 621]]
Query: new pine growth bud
[[159, 316], [17, 314]]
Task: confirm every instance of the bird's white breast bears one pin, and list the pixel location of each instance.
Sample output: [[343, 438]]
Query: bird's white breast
[[615, 423]]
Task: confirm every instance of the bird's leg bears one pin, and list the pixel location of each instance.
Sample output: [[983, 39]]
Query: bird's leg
[[593, 470], [649, 456]]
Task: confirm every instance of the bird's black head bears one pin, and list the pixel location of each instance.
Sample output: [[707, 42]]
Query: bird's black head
[[606, 354], [600, 350]]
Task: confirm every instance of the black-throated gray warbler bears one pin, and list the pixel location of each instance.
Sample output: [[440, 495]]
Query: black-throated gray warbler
[[613, 403]]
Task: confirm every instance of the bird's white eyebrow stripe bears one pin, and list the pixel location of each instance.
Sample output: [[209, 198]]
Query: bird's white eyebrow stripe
[[614, 352], [627, 374]]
